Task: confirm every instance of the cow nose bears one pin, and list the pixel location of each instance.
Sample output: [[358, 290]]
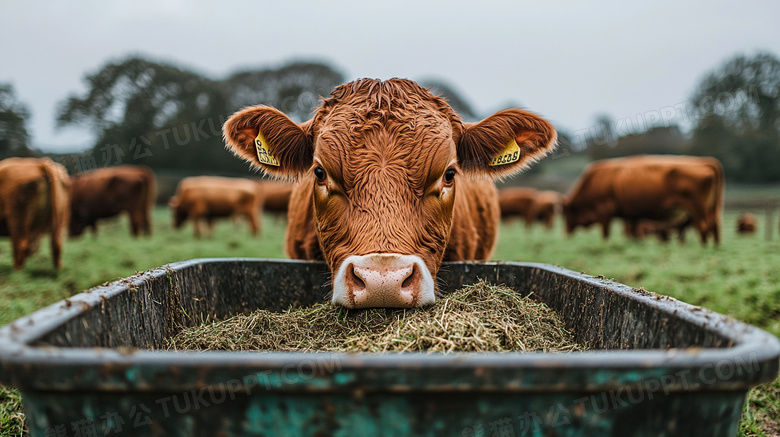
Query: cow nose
[[383, 285], [383, 280]]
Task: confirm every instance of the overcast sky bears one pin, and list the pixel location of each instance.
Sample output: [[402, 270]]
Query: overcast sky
[[567, 61]]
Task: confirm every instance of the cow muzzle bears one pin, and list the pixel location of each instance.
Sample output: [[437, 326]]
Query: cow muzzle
[[383, 280]]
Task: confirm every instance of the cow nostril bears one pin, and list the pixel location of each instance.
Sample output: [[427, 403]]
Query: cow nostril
[[410, 279], [355, 279]]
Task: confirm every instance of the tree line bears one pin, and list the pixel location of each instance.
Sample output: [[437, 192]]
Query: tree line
[[169, 117]]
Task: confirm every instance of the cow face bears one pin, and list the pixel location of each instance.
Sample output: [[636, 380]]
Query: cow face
[[179, 217], [383, 160], [179, 213], [77, 223]]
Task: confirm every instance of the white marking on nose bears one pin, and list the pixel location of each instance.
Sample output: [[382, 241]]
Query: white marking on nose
[[383, 280]]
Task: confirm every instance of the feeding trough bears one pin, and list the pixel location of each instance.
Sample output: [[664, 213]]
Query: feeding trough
[[656, 366]]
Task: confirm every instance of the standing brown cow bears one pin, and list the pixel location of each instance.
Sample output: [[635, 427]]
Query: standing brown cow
[[212, 197], [107, 192], [517, 202], [34, 199], [665, 189], [391, 182]]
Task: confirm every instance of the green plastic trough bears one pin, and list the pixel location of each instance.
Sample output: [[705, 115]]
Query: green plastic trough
[[658, 367]]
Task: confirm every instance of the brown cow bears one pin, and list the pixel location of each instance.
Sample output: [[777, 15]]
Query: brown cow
[[391, 182], [530, 204], [34, 199], [276, 196], [746, 223], [107, 192], [667, 189], [517, 202], [212, 197], [544, 207]]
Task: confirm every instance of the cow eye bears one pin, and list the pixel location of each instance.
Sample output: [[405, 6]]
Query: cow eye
[[449, 175], [319, 173]]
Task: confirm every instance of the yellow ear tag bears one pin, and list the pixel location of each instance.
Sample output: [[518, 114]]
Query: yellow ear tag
[[510, 154], [264, 154]]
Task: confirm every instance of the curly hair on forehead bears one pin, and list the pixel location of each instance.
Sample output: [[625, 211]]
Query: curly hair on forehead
[[396, 99]]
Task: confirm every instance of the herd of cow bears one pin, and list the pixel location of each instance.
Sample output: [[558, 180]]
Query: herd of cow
[[376, 170], [38, 197]]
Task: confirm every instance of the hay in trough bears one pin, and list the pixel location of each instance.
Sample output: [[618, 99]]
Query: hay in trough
[[476, 318]]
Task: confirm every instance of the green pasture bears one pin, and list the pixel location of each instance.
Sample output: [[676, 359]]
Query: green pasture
[[113, 254], [740, 278]]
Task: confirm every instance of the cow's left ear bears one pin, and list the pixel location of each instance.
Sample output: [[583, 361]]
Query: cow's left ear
[[267, 138], [505, 143]]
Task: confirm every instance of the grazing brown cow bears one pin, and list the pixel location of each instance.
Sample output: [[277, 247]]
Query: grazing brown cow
[[276, 196], [391, 182], [665, 189], [34, 199], [746, 223], [212, 197], [107, 192], [517, 202], [544, 207]]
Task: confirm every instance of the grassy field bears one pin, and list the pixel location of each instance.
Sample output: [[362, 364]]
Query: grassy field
[[740, 278], [113, 254]]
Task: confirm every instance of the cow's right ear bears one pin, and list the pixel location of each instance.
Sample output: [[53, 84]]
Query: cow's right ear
[[269, 140]]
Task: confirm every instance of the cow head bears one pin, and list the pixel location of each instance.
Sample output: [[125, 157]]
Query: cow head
[[78, 220], [179, 213], [384, 160], [577, 215]]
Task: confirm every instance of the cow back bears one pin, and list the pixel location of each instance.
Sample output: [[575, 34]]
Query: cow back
[[60, 190]]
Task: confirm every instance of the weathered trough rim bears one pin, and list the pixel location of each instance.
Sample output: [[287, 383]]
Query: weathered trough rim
[[20, 361]]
